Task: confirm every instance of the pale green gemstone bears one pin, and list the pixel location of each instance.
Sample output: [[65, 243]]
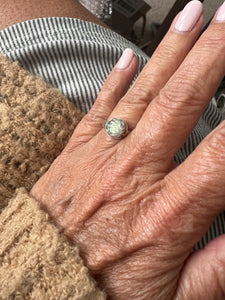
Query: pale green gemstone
[[116, 127]]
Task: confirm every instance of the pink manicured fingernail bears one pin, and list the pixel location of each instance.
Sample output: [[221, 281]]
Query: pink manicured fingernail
[[125, 59], [189, 16], [221, 13]]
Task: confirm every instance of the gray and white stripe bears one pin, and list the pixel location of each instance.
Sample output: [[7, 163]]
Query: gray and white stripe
[[76, 57]]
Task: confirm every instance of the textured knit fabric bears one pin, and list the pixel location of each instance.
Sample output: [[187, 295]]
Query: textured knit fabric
[[36, 122], [76, 57], [36, 261]]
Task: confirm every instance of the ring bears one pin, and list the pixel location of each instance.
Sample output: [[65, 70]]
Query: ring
[[116, 128]]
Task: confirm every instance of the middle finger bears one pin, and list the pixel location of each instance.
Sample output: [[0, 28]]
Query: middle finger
[[172, 115]]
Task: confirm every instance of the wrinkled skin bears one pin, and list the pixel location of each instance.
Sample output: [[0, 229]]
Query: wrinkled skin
[[134, 214]]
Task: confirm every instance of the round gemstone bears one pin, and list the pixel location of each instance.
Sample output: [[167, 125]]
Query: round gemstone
[[116, 127]]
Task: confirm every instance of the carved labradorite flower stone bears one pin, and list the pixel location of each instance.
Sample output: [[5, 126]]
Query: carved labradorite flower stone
[[116, 128]]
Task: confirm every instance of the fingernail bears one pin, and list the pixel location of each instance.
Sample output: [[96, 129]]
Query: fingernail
[[189, 16], [221, 13], [125, 59]]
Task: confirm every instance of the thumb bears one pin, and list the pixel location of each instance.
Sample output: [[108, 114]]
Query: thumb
[[203, 276]]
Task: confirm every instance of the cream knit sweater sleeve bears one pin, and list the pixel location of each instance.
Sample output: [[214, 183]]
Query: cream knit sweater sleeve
[[36, 260]]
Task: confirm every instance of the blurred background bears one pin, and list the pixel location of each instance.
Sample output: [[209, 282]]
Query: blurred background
[[144, 22]]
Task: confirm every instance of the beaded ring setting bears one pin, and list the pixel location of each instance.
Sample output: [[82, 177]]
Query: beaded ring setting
[[116, 128]]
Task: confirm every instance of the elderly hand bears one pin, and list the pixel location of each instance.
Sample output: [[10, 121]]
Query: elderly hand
[[134, 214]]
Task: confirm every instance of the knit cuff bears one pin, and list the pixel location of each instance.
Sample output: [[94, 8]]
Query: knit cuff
[[36, 261]]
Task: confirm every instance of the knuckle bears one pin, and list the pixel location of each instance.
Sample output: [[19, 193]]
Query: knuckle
[[180, 208], [139, 93], [216, 143], [184, 89], [111, 86], [214, 39], [88, 120], [145, 150], [165, 50], [95, 116]]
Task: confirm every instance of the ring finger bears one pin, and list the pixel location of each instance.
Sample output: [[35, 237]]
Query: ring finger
[[163, 64]]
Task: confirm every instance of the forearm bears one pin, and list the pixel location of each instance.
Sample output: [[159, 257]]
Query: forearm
[[12, 12]]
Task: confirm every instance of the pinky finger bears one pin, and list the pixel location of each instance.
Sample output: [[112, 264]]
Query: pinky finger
[[114, 88]]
